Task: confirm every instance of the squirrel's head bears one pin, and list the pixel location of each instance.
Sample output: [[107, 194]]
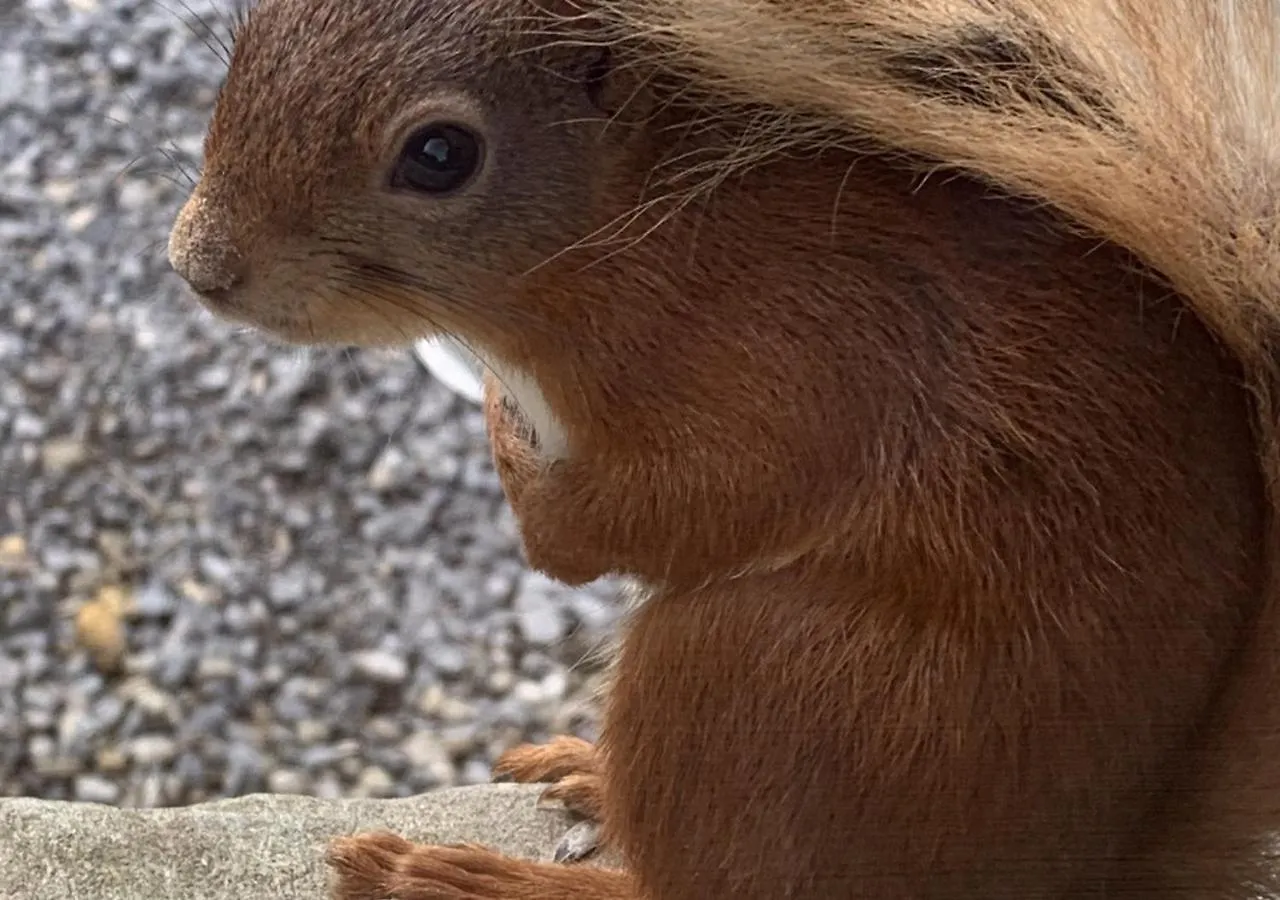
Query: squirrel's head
[[376, 173], [379, 172]]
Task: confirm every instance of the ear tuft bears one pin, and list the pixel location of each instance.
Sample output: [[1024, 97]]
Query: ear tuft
[[596, 80]]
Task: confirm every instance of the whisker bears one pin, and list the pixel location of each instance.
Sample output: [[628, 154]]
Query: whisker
[[171, 156], [593, 239], [168, 176], [205, 34], [238, 17], [133, 162], [351, 364], [150, 248], [684, 202]]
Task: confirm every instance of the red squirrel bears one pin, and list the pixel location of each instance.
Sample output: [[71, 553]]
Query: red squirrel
[[891, 349]]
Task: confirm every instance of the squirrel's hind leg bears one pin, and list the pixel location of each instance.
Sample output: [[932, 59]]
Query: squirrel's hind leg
[[383, 866]]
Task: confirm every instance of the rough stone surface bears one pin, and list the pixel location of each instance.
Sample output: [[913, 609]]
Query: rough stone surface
[[226, 567], [252, 847]]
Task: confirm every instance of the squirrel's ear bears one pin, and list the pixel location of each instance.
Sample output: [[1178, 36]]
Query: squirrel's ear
[[579, 49], [596, 81], [611, 86]]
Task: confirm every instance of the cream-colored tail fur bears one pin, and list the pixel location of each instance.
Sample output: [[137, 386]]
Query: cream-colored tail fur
[[1154, 123]]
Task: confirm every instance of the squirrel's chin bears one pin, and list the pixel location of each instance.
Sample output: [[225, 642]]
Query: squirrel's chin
[[296, 332]]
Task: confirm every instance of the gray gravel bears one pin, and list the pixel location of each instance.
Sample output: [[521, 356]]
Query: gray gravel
[[318, 582]]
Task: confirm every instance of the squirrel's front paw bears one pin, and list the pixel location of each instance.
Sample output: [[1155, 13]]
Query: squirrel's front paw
[[556, 540], [573, 769]]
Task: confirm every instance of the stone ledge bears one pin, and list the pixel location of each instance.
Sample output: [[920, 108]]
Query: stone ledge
[[260, 847]]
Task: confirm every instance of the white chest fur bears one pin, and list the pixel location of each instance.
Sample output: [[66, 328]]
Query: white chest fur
[[529, 397]]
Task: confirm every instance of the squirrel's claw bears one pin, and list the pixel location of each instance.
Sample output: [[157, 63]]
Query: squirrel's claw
[[579, 842]]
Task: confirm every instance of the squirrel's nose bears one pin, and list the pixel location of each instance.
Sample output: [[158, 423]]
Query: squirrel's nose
[[202, 251]]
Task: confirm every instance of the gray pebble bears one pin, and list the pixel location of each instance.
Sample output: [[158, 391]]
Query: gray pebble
[[476, 772], [151, 749], [10, 673], [96, 789], [154, 600], [380, 666], [449, 659], [538, 614], [289, 588], [211, 668], [287, 781], [244, 771], [374, 782]]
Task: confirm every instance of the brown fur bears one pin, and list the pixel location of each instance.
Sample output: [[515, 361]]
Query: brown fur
[[953, 524]]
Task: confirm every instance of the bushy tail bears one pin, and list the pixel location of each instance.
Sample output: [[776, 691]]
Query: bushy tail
[[1153, 123]]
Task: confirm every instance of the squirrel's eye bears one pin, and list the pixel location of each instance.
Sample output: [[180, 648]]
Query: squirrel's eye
[[437, 159]]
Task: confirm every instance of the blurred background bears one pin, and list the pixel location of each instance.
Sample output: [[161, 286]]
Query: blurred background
[[227, 567]]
